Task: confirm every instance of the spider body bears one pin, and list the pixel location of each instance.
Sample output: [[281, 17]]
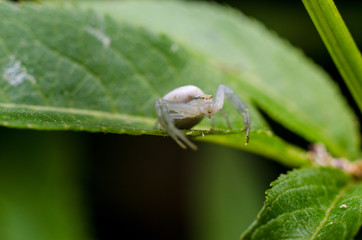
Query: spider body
[[188, 95], [186, 106]]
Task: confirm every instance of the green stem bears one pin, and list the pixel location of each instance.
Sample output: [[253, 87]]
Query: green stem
[[339, 43]]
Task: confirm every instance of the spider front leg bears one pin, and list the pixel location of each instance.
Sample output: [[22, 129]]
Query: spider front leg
[[238, 104], [166, 120]]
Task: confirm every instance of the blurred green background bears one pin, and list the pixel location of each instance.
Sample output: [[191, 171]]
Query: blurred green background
[[70, 185]]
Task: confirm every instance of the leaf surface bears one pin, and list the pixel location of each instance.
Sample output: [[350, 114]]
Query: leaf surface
[[311, 203], [69, 69], [277, 77], [64, 68]]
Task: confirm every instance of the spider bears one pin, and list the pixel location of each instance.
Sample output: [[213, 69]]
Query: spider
[[186, 106]]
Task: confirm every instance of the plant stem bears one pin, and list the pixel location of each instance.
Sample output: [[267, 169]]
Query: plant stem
[[339, 43]]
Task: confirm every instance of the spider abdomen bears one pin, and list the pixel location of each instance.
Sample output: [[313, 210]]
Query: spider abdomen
[[183, 94], [187, 123]]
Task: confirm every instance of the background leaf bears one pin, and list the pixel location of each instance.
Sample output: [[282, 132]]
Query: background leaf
[[339, 43], [41, 196], [310, 203], [277, 77]]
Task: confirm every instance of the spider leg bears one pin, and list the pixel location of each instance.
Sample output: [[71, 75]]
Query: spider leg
[[166, 121], [212, 124], [238, 104], [157, 124], [224, 114], [226, 118]]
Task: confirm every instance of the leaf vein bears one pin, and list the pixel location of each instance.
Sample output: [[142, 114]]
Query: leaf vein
[[329, 209]]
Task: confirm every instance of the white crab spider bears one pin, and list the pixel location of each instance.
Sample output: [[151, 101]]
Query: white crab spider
[[186, 106]]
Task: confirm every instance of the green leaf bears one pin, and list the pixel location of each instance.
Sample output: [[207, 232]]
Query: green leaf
[[311, 203], [339, 43], [64, 68], [277, 77]]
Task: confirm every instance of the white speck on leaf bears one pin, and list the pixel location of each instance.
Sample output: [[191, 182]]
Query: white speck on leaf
[[343, 206], [174, 47], [15, 73], [100, 35]]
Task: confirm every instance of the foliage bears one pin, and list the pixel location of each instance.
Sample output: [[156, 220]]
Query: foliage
[[339, 42], [310, 204]]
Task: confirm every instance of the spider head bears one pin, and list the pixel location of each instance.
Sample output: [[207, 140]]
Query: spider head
[[205, 104]]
